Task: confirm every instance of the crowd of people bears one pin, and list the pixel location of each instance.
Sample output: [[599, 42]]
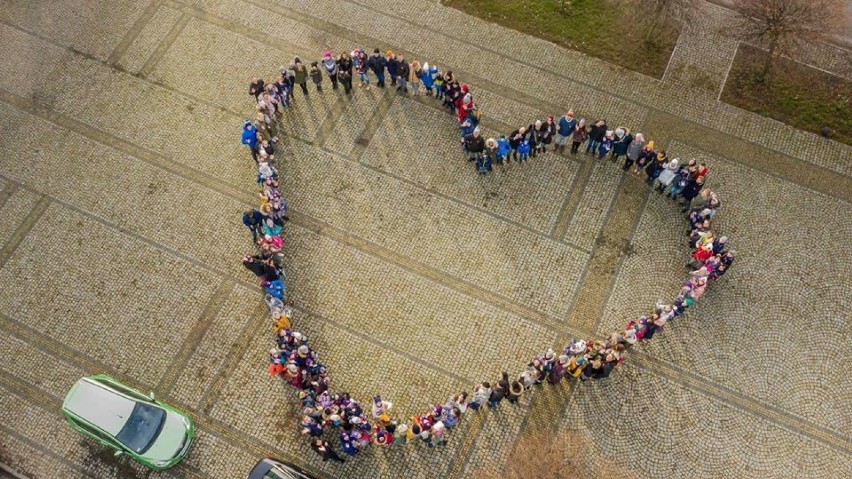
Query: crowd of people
[[295, 362]]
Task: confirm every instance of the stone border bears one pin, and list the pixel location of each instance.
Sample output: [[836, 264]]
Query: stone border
[[583, 359]]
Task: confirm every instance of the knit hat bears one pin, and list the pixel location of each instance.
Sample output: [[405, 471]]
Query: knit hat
[[303, 351], [674, 163], [619, 132], [650, 145], [326, 54], [609, 133], [549, 355], [579, 347]]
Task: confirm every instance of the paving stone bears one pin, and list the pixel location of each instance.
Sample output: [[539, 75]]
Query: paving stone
[[207, 360], [149, 37], [420, 225], [591, 212], [13, 212], [94, 27], [118, 279]]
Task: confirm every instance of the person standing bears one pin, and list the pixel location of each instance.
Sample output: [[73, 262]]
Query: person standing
[[580, 135], [344, 71], [330, 67], [621, 142], [249, 138], [300, 74], [565, 127], [402, 70], [392, 66], [596, 136], [634, 149], [323, 448], [377, 63], [316, 75]]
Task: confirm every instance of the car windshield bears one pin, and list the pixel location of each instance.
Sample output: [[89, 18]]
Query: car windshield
[[142, 428]]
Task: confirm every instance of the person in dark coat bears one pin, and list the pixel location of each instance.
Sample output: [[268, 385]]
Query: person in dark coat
[[515, 139], [377, 64], [402, 70], [622, 141], [253, 219], [499, 391], [596, 135], [323, 448], [392, 66], [474, 144]]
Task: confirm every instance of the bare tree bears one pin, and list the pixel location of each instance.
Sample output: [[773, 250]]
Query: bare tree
[[655, 14], [784, 24], [542, 456]]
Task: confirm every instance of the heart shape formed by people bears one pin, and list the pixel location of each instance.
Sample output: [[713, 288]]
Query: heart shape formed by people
[[295, 362]]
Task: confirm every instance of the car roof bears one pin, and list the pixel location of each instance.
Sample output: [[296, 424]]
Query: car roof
[[264, 465], [98, 405]]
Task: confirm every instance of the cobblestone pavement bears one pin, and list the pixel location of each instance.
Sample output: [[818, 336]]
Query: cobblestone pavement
[[122, 182]]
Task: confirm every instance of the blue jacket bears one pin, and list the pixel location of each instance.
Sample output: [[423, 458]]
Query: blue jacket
[[249, 135], [524, 146], [503, 147], [426, 77], [565, 126], [276, 289]]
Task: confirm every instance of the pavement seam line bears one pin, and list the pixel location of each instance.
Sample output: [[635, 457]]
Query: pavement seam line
[[572, 200], [134, 32], [23, 230], [195, 335], [6, 193], [164, 46], [767, 412], [234, 356]]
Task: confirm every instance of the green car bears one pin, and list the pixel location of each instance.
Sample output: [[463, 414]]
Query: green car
[[128, 421]]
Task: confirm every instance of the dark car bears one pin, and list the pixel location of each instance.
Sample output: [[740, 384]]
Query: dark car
[[272, 469]]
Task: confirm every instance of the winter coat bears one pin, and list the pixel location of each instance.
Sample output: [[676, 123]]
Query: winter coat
[[300, 76], [565, 126], [330, 66], [249, 136], [427, 77], [634, 149], [580, 134], [515, 139], [345, 65], [606, 146], [524, 146], [668, 175], [619, 147], [503, 147], [474, 144], [402, 69], [315, 75], [597, 133], [377, 64], [392, 66]]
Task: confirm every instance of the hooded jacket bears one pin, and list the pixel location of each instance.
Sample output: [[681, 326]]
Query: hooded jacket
[[249, 135]]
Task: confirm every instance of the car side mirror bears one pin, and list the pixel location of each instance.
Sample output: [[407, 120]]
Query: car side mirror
[[151, 395], [118, 453]]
